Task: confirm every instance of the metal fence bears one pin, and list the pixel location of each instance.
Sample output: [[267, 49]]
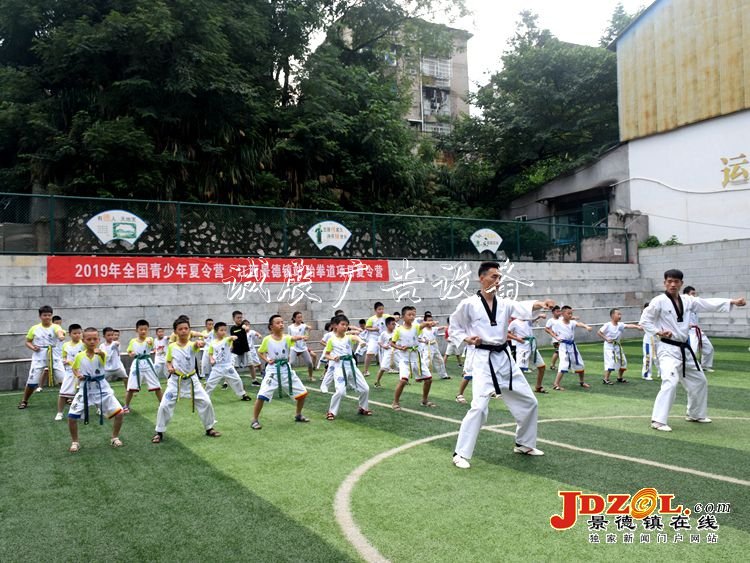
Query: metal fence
[[50, 224]]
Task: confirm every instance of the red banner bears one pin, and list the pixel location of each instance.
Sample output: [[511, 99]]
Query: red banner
[[148, 270]]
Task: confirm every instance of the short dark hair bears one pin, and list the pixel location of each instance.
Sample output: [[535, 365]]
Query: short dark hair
[[377, 304], [245, 322], [140, 323], [687, 289], [427, 315], [158, 328], [92, 329], [407, 308], [235, 313], [209, 321], [181, 320], [220, 324], [389, 320], [485, 267], [646, 305], [105, 330], [361, 321], [555, 308], [673, 273], [73, 327], [56, 318], [612, 311], [271, 319], [338, 312], [45, 309], [340, 318], [565, 307], [396, 313]]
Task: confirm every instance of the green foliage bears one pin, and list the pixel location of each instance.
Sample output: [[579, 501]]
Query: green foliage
[[653, 242], [618, 22], [650, 242], [552, 108]]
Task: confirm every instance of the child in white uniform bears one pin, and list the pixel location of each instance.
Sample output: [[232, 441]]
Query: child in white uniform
[[346, 375], [160, 353], [275, 351], [386, 348], [207, 335], [89, 369], [410, 361], [614, 355], [429, 346], [527, 352], [184, 383], [570, 357], [252, 361], [41, 339], [301, 332], [114, 370], [142, 370], [70, 350], [222, 362]]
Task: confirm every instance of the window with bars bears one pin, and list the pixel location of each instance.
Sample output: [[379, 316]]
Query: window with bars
[[436, 67]]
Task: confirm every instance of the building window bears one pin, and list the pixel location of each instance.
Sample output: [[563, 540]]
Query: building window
[[436, 101], [436, 67], [437, 129]]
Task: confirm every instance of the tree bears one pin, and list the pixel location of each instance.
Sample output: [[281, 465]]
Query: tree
[[552, 107], [137, 98], [619, 20]]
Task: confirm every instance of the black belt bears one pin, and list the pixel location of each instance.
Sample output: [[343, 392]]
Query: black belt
[[683, 346], [497, 348]]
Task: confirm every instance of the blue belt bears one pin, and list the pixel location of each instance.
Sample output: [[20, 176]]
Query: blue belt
[[576, 356]]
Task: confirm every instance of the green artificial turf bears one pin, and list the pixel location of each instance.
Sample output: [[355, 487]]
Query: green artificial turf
[[268, 495]]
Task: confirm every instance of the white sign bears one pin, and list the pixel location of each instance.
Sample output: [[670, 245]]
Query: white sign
[[329, 233], [117, 224], [486, 239]]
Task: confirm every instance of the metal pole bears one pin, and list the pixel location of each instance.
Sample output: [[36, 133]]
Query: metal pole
[[373, 229], [453, 237], [178, 227], [51, 224], [285, 241]]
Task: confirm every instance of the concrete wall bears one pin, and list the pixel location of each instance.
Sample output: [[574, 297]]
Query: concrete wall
[[677, 179], [591, 288], [715, 269]]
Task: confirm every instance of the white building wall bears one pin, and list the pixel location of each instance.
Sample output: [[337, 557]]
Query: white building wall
[[676, 179]]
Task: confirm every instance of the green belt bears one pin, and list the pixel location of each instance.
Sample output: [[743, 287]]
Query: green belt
[[349, 359], [278, 363], [189, 377], [98, 380], [137, 359], [532, 343]]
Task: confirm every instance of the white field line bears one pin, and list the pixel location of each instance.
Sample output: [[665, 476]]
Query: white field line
[[342, 502]]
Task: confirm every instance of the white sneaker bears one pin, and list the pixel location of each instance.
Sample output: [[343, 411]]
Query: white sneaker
[[701, 420], [38, 390], [661, 427], [648, 378], [460, 399], [527, 450], [708, 370], [460, 462], [59, 416]]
